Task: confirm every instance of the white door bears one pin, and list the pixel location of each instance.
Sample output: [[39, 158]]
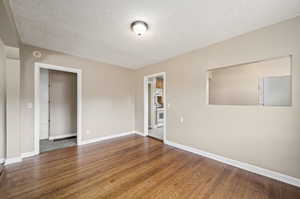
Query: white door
[[63, 105], [44, 104]]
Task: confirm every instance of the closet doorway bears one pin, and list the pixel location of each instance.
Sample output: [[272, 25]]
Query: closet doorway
[[57, 107]]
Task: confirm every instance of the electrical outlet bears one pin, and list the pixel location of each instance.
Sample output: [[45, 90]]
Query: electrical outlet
[[88, 132]]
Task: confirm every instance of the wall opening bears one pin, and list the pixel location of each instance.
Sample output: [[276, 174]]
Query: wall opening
[[266, 83]]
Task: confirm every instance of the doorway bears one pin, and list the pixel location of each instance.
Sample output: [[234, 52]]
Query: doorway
[[57, 107], [58, 113], [155, 106]]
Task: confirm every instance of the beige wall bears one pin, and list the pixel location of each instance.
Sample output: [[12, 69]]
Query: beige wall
[[107, 95], [268, 137], [9, 102], [238, 85], [2, 99], [13, 108]]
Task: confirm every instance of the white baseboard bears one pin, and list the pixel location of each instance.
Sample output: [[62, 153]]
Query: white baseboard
[[104, 138], [28, 154], [254, 169], [33, 153], [13, 160], [139, 133], [62, 136]]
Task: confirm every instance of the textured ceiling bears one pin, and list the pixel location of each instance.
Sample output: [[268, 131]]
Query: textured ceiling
[[100, 29], [8, 31]]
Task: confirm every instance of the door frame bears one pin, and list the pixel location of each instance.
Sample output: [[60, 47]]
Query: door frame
[[37, 68], [146, 132]]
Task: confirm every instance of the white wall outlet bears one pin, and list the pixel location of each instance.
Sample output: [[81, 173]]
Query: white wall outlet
[[88, 132], [181, 119]]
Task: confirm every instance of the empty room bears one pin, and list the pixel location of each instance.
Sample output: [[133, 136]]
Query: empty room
[[195, 99]]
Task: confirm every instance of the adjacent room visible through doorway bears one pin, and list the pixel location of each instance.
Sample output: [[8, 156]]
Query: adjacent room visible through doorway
[[155, 106]]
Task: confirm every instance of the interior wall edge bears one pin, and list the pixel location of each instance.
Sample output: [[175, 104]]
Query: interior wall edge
[[3, 99], [13, 160], [84, 142], [99, 139], [242, 165]]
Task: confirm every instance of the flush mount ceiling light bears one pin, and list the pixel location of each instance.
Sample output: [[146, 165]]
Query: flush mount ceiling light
[[139, 27]]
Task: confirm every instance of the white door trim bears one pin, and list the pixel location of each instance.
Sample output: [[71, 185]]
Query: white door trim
[[146, 103], [37, 67]]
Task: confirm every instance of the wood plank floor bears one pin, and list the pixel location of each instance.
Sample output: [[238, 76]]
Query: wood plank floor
[[134, 167]]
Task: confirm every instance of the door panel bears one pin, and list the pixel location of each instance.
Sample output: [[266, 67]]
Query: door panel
[[44, 104], [63, 105]]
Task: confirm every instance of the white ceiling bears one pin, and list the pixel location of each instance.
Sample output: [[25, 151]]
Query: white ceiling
[[100, 29]]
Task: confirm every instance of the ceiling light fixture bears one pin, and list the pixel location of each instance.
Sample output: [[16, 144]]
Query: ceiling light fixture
[[139, 27]]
